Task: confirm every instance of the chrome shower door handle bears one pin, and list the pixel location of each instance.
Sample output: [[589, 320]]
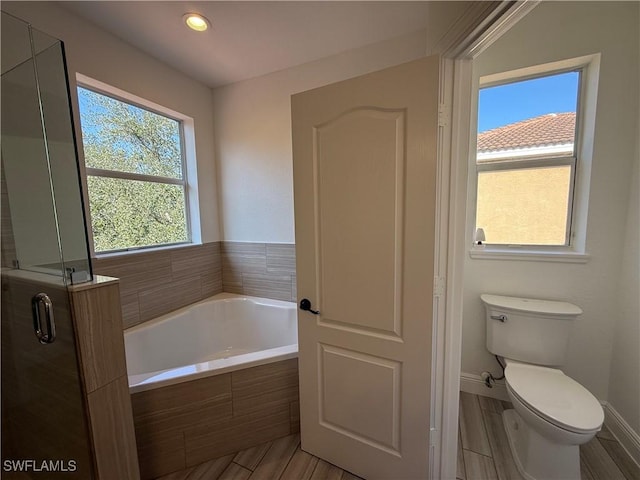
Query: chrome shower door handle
[[42, 299]]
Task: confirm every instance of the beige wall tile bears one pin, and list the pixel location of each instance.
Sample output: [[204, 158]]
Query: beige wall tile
[[244, 248], [273, 286], [157, 301], [114, 441], [179, 396], [263, 387], [197, 259], [158, 282], [218, 415], [294, 416], [231, 277], [294, 289], [281, 258], [136, 271], [98, 322], [162, 456], [211, 284], [130, 309], [259, 269]]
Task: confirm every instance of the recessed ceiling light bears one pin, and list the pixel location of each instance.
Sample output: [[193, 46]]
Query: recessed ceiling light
[[196, 22]]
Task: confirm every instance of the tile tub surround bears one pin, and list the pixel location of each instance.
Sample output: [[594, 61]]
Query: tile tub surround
[[155, 282], [186, 424], [260, 269]]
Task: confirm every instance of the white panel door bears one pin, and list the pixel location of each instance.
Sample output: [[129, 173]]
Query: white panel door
[[364, 154]]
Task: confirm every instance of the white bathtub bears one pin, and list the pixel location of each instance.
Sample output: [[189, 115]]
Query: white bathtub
[[220, 334]]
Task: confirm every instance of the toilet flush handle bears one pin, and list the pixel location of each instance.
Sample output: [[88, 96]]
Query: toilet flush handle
[[500, 318]]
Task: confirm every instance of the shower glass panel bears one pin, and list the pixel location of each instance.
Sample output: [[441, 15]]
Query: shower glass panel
[[44, 249], [44, 193]]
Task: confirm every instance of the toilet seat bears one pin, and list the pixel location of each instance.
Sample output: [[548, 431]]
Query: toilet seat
[[555, 397]]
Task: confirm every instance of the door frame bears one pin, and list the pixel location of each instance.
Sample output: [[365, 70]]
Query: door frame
[[481, 25]]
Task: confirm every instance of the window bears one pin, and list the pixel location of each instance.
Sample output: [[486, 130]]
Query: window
[[526, 160], [136, 173]]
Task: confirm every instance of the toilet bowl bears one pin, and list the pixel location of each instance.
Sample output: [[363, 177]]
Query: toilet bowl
[[553, 414]]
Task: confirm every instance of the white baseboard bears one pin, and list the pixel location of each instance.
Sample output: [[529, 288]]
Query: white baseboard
[[471, 383], [628, 438]]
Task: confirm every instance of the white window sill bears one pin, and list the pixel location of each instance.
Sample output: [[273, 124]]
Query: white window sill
[[528, 255], [141, 250]]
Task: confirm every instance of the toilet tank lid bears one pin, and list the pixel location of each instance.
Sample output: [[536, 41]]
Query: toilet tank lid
[[530, 305]]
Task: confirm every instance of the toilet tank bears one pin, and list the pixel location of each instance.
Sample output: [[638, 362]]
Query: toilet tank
[[529, 330]]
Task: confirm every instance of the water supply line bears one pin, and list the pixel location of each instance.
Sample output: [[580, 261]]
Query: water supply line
[[488, 378]]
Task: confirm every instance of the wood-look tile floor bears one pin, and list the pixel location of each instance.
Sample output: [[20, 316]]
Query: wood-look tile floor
[[281, 459], [483, 453], [483, 448]]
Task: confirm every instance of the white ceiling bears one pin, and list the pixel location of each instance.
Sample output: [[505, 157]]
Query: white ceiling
[[250, 39]]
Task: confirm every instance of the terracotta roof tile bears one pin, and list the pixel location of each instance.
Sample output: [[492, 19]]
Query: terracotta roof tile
[[549, 129]]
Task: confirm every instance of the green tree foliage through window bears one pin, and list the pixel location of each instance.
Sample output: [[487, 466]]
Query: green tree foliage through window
[[134, 174]]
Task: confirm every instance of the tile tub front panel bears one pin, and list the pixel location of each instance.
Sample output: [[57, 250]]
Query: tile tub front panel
[[259, 269], [189, 423]]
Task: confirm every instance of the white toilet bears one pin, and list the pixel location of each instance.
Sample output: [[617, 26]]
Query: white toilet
[[553, 414]]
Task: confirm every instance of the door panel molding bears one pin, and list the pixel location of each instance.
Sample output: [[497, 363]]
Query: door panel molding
[[348, 204], [333, 381]]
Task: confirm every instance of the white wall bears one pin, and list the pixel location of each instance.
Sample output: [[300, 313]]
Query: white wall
[[253, 137], [253, 129], [556, 31], [624, 380], [102, 56]]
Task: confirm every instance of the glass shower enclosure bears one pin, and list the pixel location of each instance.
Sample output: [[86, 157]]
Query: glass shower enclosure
[[44, 250]]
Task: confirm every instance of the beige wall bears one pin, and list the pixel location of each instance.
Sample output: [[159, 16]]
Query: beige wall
[[573, 29], [524, 206], [102, 56]]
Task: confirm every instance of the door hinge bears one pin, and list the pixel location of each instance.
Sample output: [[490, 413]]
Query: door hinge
[[433, 437], [443, 119], [439, 286]]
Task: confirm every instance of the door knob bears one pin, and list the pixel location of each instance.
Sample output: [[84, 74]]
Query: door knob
[[305, 304]]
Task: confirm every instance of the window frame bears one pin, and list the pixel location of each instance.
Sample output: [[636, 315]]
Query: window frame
[[187, 165], [523, 163], [574, 251]]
